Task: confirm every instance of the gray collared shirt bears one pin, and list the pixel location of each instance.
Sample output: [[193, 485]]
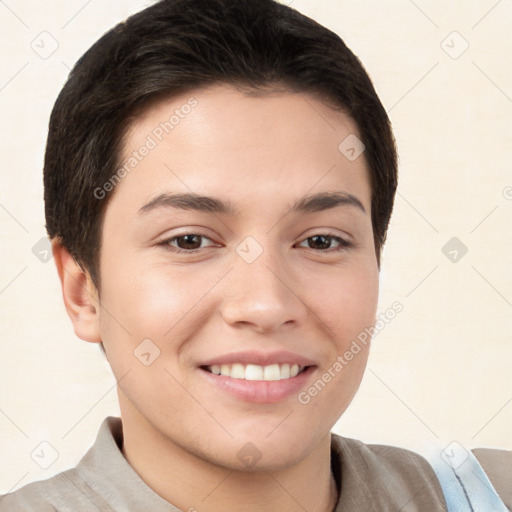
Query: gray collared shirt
[[369, 477]]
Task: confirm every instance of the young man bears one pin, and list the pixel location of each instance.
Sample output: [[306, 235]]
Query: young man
[[219, 178]]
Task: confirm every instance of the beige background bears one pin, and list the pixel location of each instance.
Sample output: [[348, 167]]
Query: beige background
[[439, 372]]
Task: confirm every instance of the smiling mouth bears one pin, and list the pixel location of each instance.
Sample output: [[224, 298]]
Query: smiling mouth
[[255, 372]]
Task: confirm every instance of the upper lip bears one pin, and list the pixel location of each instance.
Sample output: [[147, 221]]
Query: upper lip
[[260, 358]]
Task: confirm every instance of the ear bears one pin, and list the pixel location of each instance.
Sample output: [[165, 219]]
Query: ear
[[79, 293]]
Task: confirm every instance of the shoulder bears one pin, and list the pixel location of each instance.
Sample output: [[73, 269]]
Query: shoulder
[[62, 492], [79, 488], [396, 476], [497, 464], [400, 463], [477, 479], [30, 498]]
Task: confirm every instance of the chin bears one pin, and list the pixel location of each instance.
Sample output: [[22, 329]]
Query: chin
[[271, 452]]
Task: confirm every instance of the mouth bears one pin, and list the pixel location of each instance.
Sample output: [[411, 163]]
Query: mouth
[[256, 376], [254, 372], [258, 384]]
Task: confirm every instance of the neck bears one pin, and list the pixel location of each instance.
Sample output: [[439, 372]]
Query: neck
[[192, 483]]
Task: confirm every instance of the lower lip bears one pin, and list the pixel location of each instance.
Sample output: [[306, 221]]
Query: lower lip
[[260, 391]]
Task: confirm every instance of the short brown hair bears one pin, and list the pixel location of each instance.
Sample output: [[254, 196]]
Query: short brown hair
[[176, 46]]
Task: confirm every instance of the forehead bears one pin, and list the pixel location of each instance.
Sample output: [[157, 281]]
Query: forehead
[[248, 146]]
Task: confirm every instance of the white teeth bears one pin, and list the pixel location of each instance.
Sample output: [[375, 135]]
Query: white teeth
[[255, 372], [271, 372], [237, 371]]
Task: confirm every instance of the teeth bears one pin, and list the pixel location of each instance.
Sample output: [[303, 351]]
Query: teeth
[[252, 372], [272, 372], [237, 371], [256, 372]]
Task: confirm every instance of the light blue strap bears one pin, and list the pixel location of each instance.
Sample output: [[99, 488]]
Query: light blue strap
[[465, 485]]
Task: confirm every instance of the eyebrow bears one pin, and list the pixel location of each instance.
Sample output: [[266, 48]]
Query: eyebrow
[[308, 204]]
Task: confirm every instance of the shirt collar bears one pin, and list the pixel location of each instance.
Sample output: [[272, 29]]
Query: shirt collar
[[360, 476], [107, 471]]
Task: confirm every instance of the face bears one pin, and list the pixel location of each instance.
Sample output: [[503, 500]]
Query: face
[[239, 242]]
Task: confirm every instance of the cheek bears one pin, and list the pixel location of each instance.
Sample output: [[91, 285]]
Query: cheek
[[143, 304], [155, 301], [347, 302], [347, 306], [150, 311]]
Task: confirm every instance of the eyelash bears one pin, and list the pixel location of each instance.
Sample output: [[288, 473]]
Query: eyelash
[[343, 243]]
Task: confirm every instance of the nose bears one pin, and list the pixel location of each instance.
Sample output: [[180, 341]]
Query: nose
[[262, 295]]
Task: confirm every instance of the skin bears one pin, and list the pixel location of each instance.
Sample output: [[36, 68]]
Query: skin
[[181, 434]]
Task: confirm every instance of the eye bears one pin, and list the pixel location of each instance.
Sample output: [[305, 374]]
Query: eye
[[193, 242], [188, 242], [323, 243]]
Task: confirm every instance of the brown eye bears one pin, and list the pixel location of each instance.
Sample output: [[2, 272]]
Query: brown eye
[[326, 243], [319, 242], [189, 242]]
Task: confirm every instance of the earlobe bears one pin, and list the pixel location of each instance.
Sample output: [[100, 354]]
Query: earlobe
[[79, 294]]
